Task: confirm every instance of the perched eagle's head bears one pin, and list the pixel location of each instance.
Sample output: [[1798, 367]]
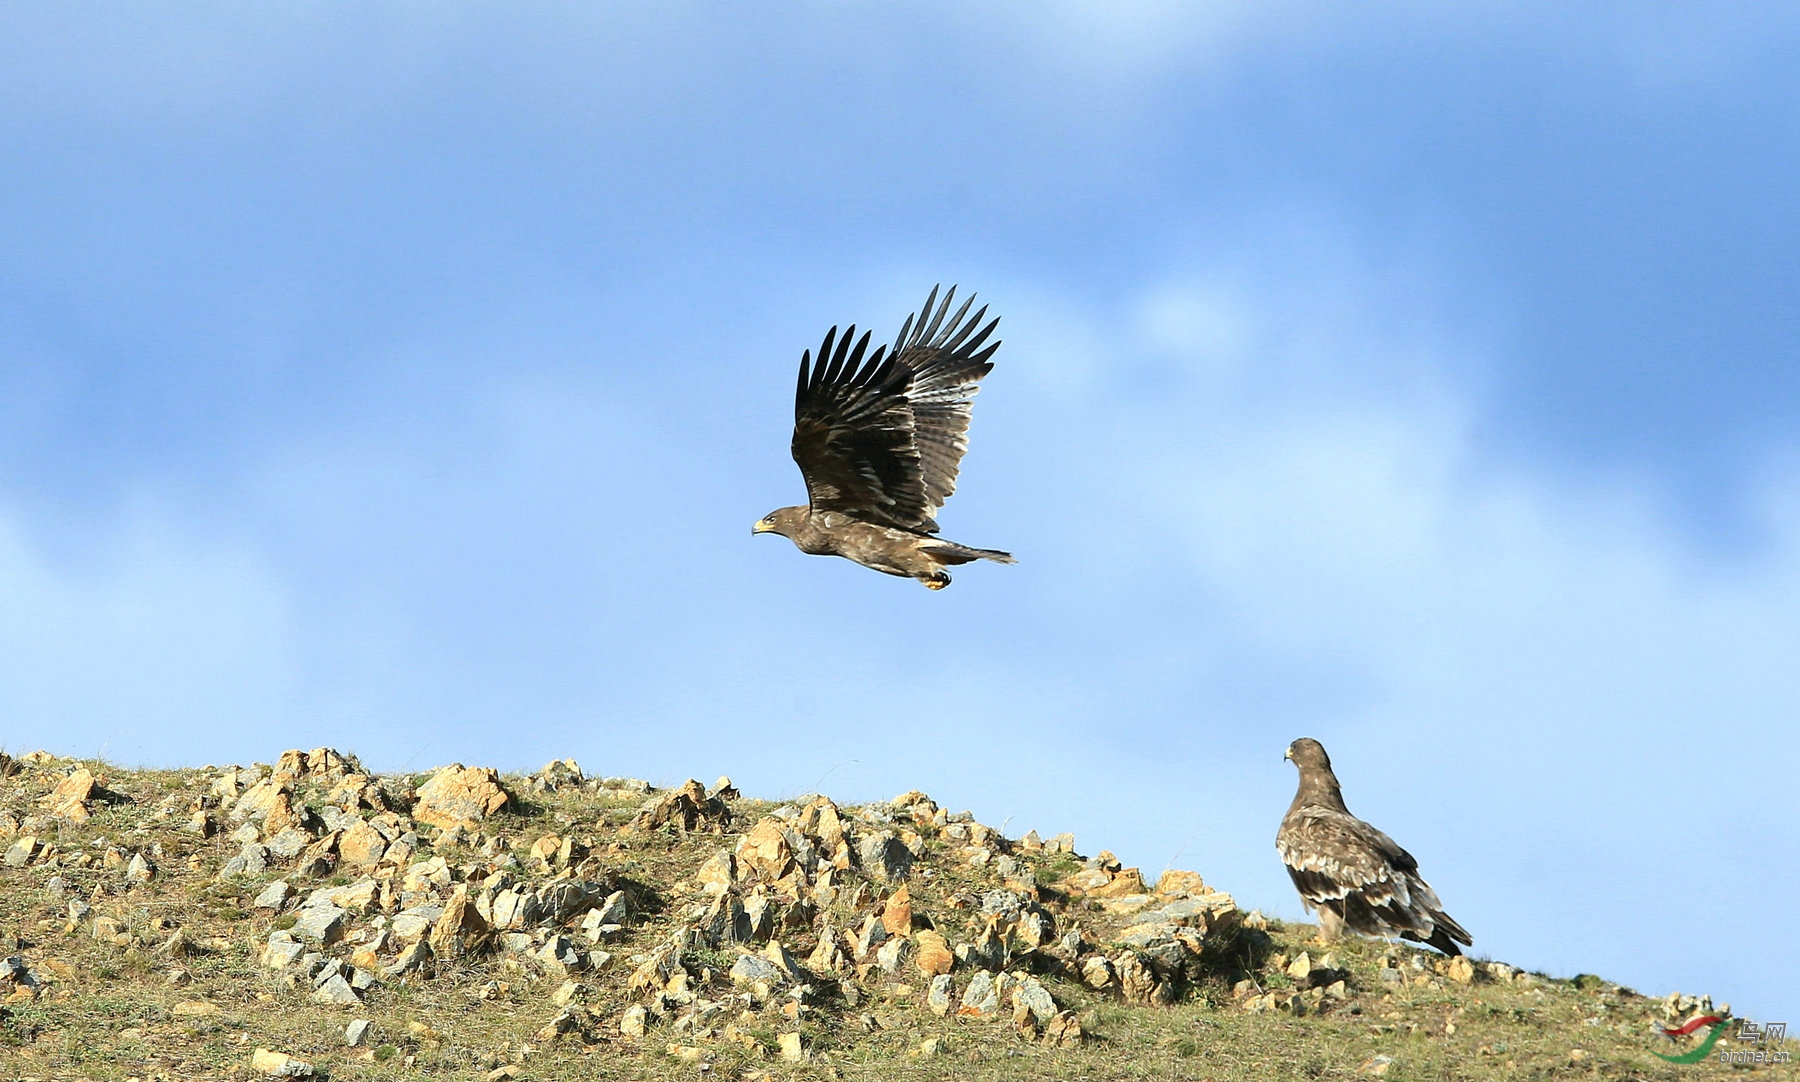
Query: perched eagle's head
[[782, 520], [1307, 752]]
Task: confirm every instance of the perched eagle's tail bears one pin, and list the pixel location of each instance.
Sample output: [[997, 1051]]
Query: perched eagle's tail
[[951, 553], [1445, 934]]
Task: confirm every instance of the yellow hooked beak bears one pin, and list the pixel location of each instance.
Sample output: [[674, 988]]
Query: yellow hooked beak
[[1289, 753], [762, 525]]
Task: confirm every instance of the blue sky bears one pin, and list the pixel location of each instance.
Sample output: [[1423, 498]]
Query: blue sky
[[406, 379]]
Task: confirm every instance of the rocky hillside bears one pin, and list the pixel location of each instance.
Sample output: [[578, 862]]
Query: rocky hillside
[[310, 918]]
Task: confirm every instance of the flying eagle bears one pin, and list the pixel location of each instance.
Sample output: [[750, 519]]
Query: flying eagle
[[879, 441], [1353, 874]]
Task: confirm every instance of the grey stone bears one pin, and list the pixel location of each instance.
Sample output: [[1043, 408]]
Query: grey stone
[[941, 995], [336, 992], [1036, 999], [56, 886], [253, 860], [323, 924], [357, 1032], [410, 924], [21, 852], [362, 980], [1002, 903], [559, 956], [751, 969], [614, 910], [282, 950], [274, 896], [892, 954], [884, 857], [417, 957], [288, 844], [981, 998]]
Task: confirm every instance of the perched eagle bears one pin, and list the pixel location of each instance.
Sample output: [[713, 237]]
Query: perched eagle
[[878, 439], [1353, 874]]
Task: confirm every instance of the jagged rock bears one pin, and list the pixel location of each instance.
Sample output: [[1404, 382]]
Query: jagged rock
[[634, 1021], [767, 850], [718, 873], [253, 804], [557, 774], [416, 958], [287, 844], [892, 954], [754, 969], [688, 808], [1034, 997], [931, 953], [361, 845], [460, 930], [415, 922], [336, 991], [1064, 1031], [981, 999], [559, 956], [568, 992], [791, 1048], [21, 852], [1180, 884], [460, 796], [357, 1032], [884, 856], [253, 860], [282, 951], [511, 909], [897, 914], [940, 994], [274, 895], [323, 925], [568, 1020], [280, 1065], [69, 799], [1097, 973], [319, 858], [1139, 984], [778, 955]]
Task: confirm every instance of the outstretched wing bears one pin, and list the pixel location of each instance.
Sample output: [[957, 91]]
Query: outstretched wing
[[853, 435], [947, 360]]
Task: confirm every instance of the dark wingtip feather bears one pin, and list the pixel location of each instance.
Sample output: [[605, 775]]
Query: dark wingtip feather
[[800, 387]]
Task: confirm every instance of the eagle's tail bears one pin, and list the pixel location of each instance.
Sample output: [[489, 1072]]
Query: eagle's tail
[[1445, 935], [951, 553]]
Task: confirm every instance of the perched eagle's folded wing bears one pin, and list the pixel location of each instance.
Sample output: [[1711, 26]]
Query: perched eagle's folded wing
[[1332, 856], [947, 359], [853, 435]]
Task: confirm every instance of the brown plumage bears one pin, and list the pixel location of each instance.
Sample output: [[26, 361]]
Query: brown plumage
[[1353, 874], [879, 441]]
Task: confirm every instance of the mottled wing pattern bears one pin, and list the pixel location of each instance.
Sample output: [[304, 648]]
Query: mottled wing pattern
[[947, 358], [1334, 857], [853, 434]]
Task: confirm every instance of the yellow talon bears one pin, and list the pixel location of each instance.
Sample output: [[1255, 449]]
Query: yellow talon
[[935, 584]]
